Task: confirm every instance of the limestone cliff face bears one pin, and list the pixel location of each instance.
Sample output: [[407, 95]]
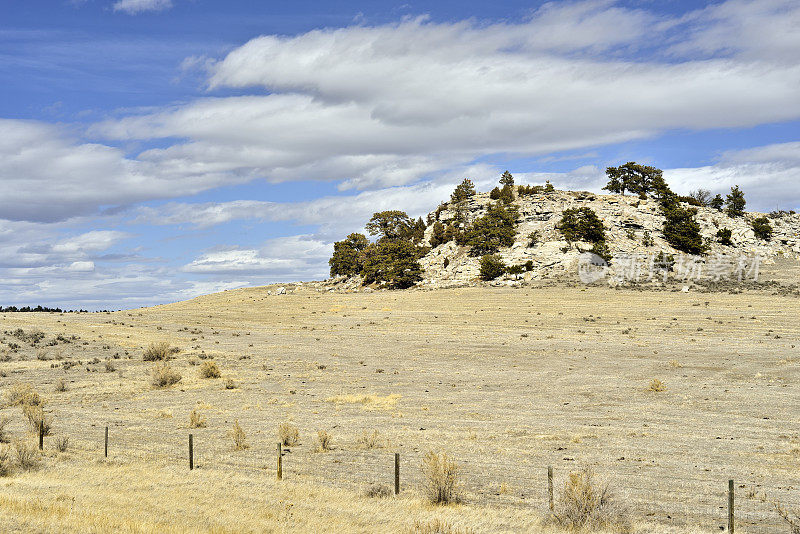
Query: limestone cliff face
[[629, 222]]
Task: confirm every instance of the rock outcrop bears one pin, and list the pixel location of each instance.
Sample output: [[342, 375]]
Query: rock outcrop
[[633, 226]]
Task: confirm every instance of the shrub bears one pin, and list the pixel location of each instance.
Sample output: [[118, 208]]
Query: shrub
[[657, 385], [288, 434], [38, 421], [437, 526], [717, 202], [441, 481], [324, 441], [4, 420], [196, 419], [581, 224], [491, 267], [158, 351], [534, 238], [5, 461], [647, 239], [110, 367], [239, 437], [587, 505], [62, 443], [724, 236], [762, 228], [27, 455], [163, 375], [790, 517], [529, 265], [378, 490], [370, 440], [209, 369], [229, 383], [22, 393], [61, 385]]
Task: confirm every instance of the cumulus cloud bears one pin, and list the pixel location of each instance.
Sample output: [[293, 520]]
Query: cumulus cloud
[[134, 7], [48, 175], [376, 106], [296, 257]]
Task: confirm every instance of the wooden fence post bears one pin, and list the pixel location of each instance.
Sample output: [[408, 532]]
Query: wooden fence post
[[397, 473], [41, 434], [191, 452], [280, 462], [106, 443], [550, 485], [730, 506]]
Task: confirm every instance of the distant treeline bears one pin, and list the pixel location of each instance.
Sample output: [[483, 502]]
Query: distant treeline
[[28, 309]]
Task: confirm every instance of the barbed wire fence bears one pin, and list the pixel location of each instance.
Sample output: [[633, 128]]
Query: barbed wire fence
[[701, 500]]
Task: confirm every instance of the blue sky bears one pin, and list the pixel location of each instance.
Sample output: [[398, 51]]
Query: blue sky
[[155, 150]]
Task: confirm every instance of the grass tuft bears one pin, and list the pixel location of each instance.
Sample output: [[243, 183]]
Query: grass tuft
[[441, 482], [163, 375], [159, 352], [324, 441], [239, 437], [288, 434], [587, 504], [209, 369]]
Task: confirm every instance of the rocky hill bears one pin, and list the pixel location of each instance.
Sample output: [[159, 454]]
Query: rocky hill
[[634, 227]]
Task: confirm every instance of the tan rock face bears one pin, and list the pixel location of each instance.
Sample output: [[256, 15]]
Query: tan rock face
[[629, 221]]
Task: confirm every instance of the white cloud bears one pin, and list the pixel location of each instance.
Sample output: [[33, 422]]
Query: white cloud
[[296, 257], [94, 241], [388, 105], [49, 176], [81, 266], [134, 7]]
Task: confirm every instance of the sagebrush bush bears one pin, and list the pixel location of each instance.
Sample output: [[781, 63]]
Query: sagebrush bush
[[158, 351], [209, 369], [230, 383], [4, 420], [239, 437], [27, 455], [5, 461], [441, 480], [324, 441], [196, 419], [437, 526], [378, 490], [37, 419], [61, 385], [62, 443], [587, 504], [21, 394], [163, 375], [657, 385], [369, 440], [288, 434]]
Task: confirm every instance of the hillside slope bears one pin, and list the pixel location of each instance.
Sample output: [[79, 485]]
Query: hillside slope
[[628, 221]]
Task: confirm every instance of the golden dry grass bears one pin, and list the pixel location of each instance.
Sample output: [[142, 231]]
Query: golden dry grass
[[459, 376]]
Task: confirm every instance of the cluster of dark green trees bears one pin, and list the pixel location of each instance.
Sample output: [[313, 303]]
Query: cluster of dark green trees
[[681, 229], [393, 258]]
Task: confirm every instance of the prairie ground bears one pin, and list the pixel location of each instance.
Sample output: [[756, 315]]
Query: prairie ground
[[505, 381]]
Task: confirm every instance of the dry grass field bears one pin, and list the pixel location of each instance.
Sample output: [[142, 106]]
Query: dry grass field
[[664, 394]]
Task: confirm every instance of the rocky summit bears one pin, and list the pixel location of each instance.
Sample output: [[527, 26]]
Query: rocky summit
[[633, 226]]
